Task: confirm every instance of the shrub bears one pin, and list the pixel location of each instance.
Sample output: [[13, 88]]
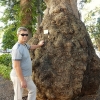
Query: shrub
[[5, 59], [5, 71]]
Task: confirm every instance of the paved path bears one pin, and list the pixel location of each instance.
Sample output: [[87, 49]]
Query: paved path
[[6, 89]]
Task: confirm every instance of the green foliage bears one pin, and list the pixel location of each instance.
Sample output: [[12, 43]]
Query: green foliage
[[9, 37], [5, 71], [1, 33], [11, 12], [5, 59], [92, 22], [82, 3], [11, 22], [86, 1], [12, 18]]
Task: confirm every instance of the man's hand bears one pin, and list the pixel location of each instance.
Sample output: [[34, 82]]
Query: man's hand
[[41, 43], [23, 84], [32, 47]]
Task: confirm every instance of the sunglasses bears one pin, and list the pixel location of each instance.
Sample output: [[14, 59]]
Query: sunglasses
[[24, 34]]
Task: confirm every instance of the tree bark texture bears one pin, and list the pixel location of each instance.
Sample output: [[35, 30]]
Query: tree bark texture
[[66, 66], [26, 15]]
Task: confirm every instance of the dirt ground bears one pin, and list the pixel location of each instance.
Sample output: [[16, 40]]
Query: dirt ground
[[6, 92]]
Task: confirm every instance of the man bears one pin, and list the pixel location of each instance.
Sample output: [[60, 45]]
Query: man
[[22, 66]]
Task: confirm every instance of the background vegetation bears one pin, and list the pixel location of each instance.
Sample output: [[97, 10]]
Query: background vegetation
[[5, 65]]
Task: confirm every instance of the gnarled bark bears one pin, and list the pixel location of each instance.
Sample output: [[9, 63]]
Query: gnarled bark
[[66, 66]]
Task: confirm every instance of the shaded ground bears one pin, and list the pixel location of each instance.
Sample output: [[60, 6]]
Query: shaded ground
[[6, 92]]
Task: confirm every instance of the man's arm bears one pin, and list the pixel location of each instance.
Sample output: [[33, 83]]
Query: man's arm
[[36, 46], [19, 73]]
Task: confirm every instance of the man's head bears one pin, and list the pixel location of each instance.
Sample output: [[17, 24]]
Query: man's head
[[22, 33], [21, 29]]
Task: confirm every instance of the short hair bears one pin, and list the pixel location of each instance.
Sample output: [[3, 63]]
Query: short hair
[[21, 29]]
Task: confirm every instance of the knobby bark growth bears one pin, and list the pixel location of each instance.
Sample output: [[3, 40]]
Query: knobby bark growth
[[66, 66]]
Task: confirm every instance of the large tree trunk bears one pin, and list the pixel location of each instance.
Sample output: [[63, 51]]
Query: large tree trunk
[[26, 15], [66, 66]]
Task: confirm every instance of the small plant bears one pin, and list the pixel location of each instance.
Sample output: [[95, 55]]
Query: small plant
[[5, 59], [5, 71]]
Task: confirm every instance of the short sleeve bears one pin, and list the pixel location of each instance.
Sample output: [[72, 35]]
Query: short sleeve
[[16, 54], [28, 46]]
